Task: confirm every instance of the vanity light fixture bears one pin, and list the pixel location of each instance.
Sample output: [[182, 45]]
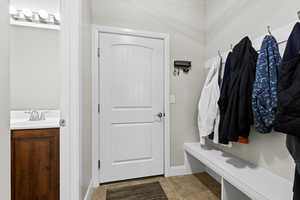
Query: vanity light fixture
[[32, 18]]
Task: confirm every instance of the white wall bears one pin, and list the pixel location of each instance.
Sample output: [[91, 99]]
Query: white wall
[[34, 68], [86, 101], [198, 29], [35, 61], [4, 103], [51, 6], [227, 23], [184, 21]]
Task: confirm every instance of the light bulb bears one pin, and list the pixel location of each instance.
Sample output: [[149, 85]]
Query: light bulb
[[27, 14], [43, 15]]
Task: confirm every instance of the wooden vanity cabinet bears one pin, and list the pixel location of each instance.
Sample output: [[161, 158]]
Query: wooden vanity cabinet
[[35, 164]]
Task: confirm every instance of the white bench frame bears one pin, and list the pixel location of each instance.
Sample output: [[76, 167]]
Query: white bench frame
[[240, 180]]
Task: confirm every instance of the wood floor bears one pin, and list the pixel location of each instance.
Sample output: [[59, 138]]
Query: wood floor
[[190, 187]]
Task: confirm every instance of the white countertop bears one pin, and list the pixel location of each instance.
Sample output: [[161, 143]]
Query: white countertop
[[19, 120]]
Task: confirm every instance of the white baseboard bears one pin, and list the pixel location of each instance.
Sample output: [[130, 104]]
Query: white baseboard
[[178, 171], [89, 192], [191, 166], [183, 170]]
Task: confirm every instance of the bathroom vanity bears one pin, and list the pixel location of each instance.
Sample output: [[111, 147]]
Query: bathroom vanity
[[35, 157]]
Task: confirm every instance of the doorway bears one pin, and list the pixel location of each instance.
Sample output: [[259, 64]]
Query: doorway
[[131, 93]]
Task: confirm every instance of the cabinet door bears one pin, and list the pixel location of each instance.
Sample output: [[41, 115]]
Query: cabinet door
[[35, 164]]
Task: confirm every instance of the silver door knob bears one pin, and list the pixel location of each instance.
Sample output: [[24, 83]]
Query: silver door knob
[[160, 115], [62, 123]]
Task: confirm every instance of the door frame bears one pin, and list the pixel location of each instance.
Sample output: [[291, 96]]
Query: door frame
[[96, 30], [5, 136], [70, 100]]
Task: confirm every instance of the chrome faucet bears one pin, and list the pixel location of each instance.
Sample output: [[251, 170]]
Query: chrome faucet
[[43, 115], [34, 115]]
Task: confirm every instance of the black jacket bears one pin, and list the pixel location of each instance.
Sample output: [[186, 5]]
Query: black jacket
[[235, 101], [223, 136], [288, 115], [293, 46]]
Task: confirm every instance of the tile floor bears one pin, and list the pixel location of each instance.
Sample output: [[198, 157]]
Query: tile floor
[[189, 187]]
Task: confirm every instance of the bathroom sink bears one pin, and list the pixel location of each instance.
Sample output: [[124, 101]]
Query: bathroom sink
[[20, 120]]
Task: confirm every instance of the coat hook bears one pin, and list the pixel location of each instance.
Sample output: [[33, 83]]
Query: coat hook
[[298, 14], [231, 46], [269, 30]]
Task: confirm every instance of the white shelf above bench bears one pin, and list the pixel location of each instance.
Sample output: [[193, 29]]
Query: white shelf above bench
[[34, 25], [255, 182]]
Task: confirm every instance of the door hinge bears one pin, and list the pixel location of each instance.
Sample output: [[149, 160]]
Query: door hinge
[[99, 164], [98, 108], [98, 52]]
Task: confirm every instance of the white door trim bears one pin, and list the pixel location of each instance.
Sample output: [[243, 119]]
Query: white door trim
[[70, 100], [95, 92]]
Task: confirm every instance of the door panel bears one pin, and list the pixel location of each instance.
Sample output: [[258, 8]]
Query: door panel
[[131, 84], [122, 135], [131, 95]]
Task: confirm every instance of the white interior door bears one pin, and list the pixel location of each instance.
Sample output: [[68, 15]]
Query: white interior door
[[131, 97]]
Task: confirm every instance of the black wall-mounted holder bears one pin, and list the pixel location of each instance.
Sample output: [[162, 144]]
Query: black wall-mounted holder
[[185, 66]]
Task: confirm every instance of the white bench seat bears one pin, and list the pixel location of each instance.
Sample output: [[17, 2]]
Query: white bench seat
[[255, 182]]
